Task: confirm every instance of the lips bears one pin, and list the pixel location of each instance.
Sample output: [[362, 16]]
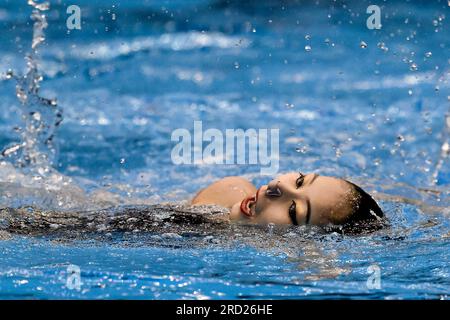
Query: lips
[[247, 202]]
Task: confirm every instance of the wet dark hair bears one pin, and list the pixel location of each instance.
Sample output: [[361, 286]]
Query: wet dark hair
[[366, 216], [364, 206]]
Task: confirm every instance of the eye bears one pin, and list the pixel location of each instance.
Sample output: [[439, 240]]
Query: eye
[[299, 181], [293, 213]]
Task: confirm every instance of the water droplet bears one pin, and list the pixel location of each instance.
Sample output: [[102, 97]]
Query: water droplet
[[308, 48], [37, 116], [303, 149], [413, 67], [382, 46], [11, 150], [445, 148], [289, 106], [21, 95], [9, 74], [363, 45]]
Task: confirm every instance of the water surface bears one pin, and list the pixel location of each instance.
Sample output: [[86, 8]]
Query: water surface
[[367, 105]]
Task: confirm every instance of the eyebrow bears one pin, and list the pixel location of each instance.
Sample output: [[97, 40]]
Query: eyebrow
[[315, 177]]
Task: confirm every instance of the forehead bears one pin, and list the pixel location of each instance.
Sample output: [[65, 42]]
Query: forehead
[[325, 182], [330, 194], [289, 175], [324, 191], [331, 184]]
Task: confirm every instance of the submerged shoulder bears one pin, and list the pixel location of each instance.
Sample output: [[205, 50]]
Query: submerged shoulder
[[225, 192], [234, 181]]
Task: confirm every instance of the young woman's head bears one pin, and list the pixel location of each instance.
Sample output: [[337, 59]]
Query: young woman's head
[[295, 198]]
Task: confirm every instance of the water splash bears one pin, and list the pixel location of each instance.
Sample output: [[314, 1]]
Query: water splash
[[37, 150], [445, 149], [28, 176]]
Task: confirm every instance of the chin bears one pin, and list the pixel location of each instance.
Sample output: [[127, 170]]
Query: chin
[[236, 214]]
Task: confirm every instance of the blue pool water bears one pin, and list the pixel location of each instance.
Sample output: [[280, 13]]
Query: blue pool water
[[367, 105]]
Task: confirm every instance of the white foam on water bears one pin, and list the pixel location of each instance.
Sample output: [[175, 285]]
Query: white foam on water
[[181, 41]]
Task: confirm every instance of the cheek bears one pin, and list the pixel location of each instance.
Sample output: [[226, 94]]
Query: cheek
[[273, 214], [235, 212]]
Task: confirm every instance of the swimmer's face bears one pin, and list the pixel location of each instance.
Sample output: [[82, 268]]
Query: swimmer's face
[[295, 198]]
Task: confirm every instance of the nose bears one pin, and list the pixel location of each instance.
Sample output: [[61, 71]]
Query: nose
[[273, 190]]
